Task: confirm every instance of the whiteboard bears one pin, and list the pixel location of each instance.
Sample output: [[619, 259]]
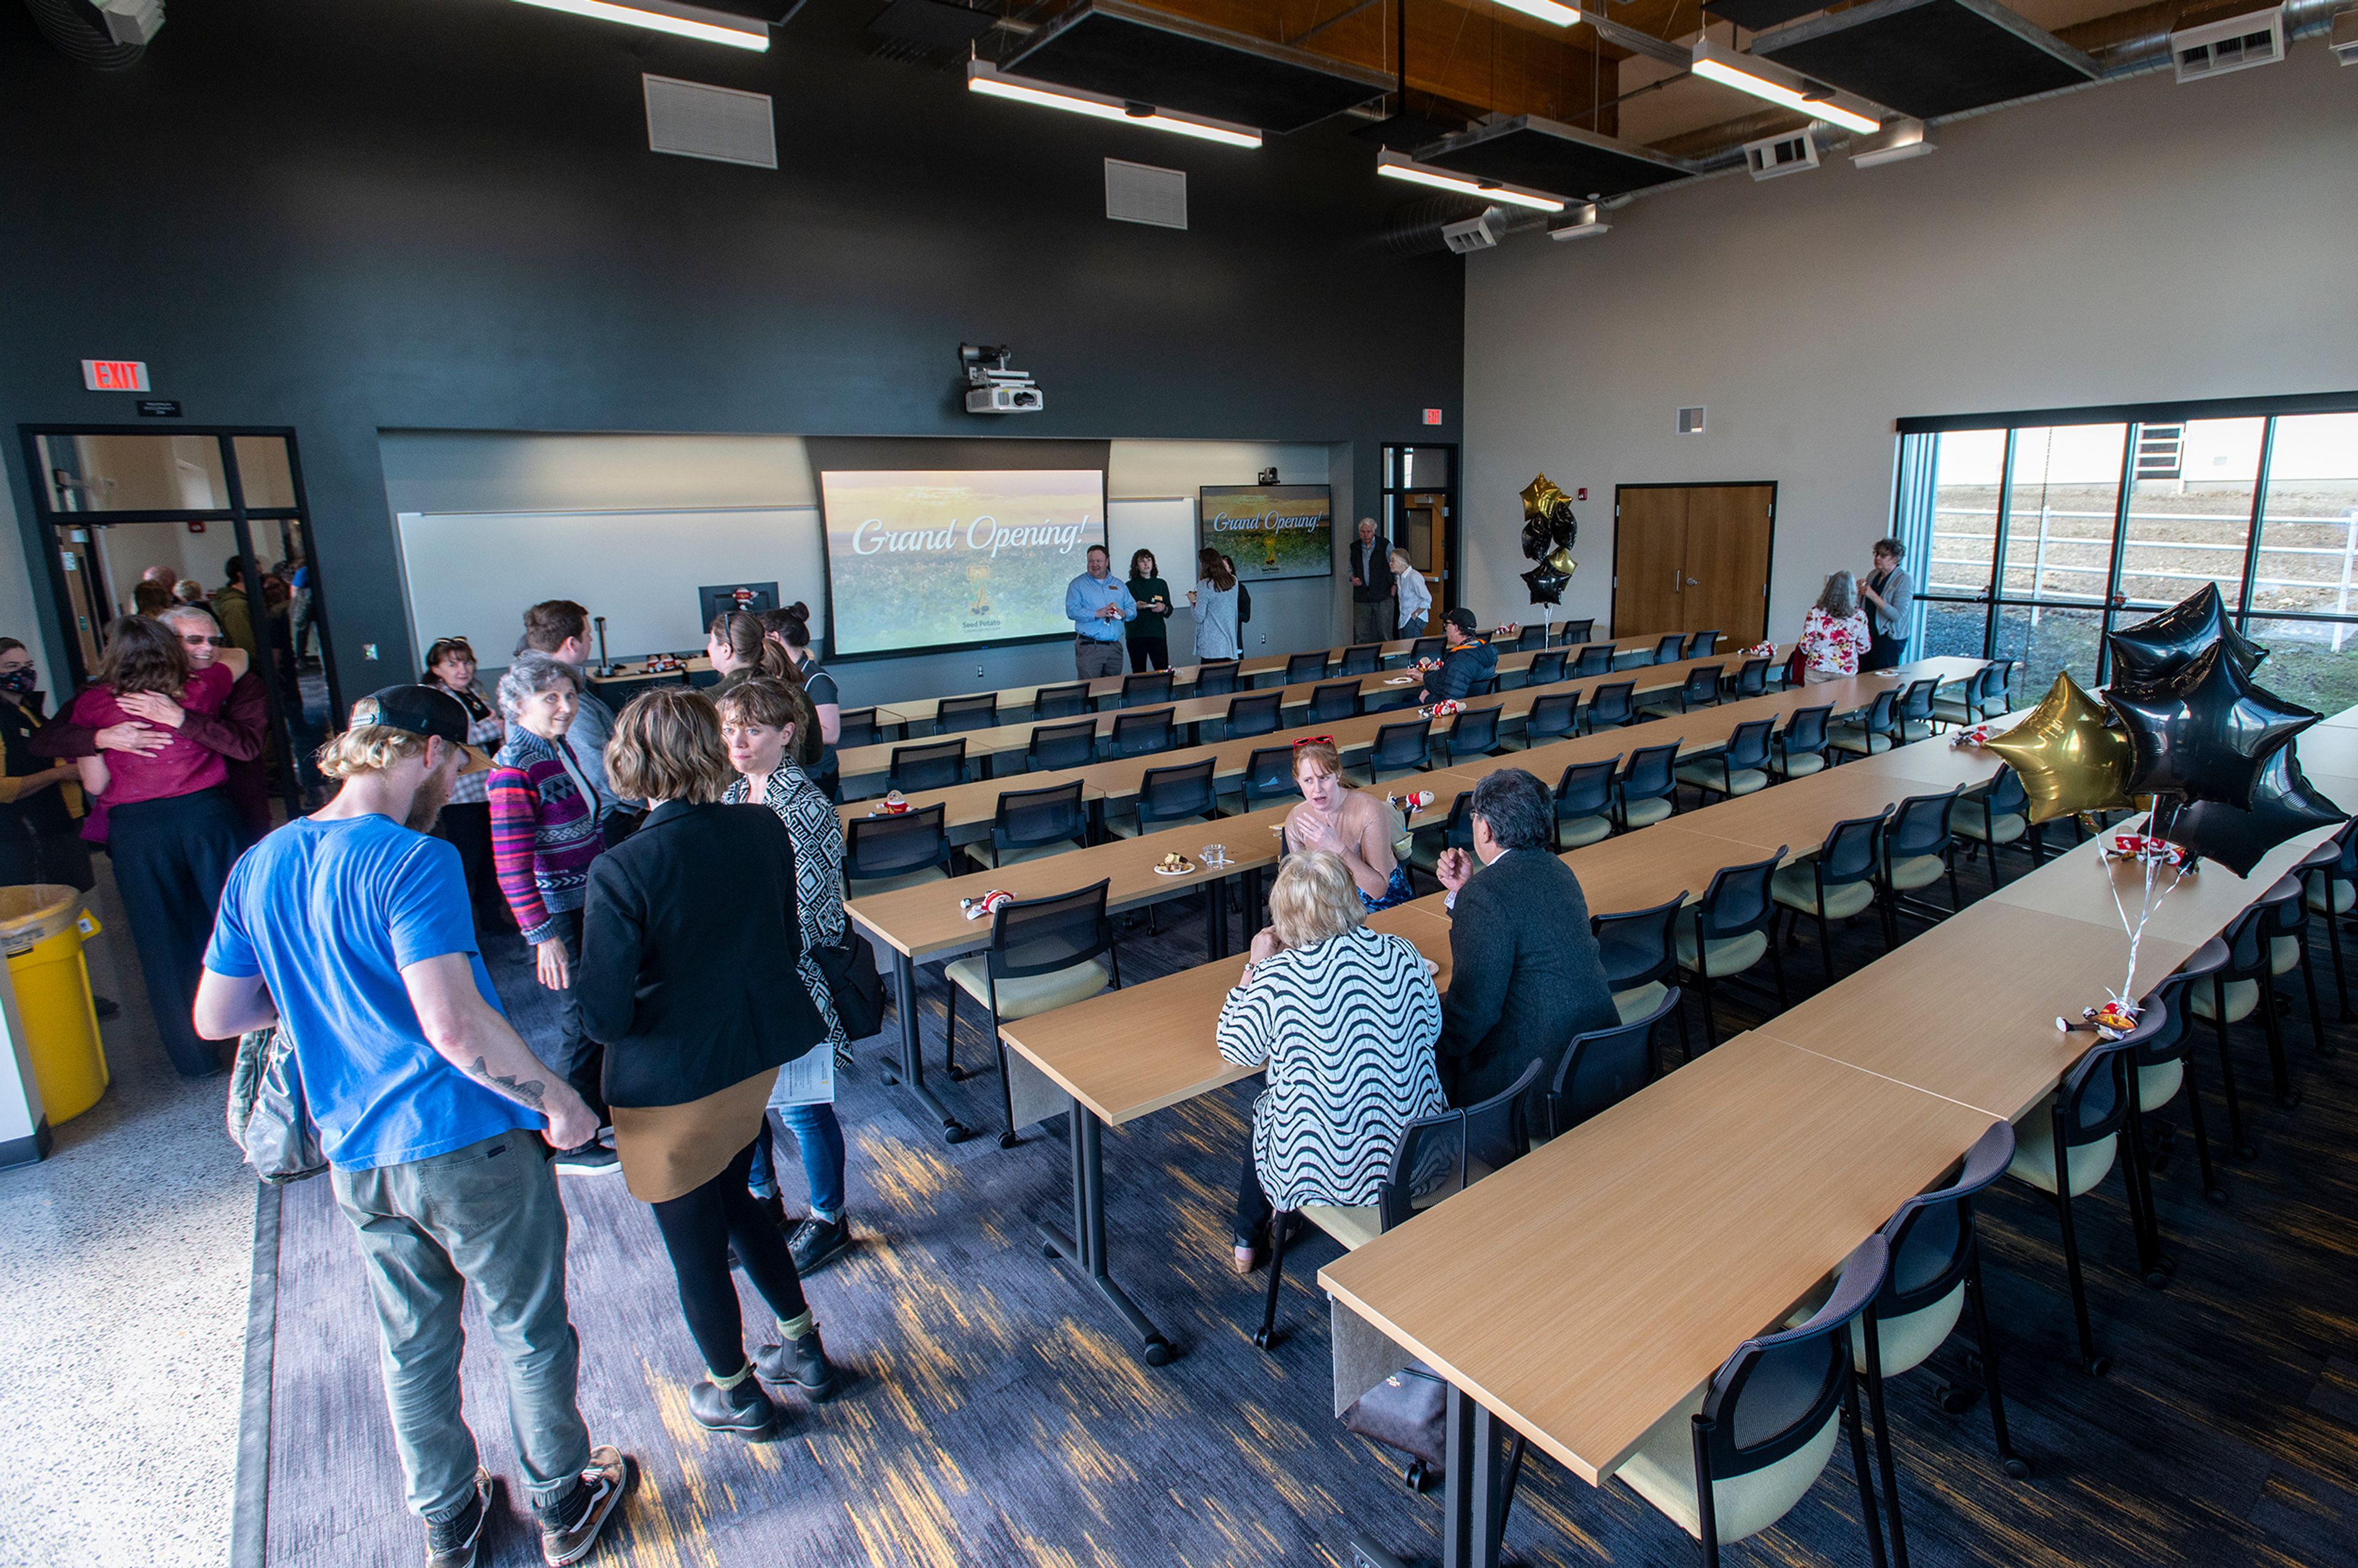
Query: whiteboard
[[473, 574], [1163, 524]]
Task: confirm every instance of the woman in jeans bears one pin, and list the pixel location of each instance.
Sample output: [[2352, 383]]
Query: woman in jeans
[[686, 917], [164, 816], [545, 835], [466, 818], [1345, 1019], [1214, 600], [770, 731], [1415, 594]]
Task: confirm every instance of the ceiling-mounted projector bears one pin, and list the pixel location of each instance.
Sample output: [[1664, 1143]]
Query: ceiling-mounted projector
[[991, 387]]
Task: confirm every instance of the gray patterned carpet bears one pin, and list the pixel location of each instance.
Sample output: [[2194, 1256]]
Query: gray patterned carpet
[[996, 1414]]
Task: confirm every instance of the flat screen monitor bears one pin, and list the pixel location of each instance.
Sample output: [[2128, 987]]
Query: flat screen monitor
[[923, 559], [718, 600], [1270, 530]]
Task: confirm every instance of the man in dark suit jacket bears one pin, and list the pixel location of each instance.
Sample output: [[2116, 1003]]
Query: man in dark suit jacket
[[1373, 619], [1525, 977]]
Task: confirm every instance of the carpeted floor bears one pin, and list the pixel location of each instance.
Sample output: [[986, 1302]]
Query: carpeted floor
[[998, 1414]]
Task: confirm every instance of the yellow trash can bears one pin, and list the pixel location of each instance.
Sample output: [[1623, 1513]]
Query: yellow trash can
[[42, 930]]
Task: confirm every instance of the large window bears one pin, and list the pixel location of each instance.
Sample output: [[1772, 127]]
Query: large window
[[2036, 535]]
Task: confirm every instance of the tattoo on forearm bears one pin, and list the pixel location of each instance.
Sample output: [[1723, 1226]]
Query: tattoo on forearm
[[529, 1091]]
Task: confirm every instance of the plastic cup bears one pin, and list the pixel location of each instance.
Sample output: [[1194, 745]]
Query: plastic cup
[[1216, 854]]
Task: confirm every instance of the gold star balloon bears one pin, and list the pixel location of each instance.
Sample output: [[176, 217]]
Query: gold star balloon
[[2067, 759], [1540, 497], [1560, 560]]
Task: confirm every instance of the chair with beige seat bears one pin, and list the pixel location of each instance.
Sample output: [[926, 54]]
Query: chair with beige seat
[[1639, 954], [2287, 928], [1647, 790], [1584, 802], [1918, 849], [1727, 931], [1603, 1067], [885, 853], [1045, 953], [1033, 823], [1181, 793], [1056, 747], [1740, 767], [2329, 882], [1438, 1156], [1428, 843], [1799, 748], [1733, 1459], [2243, 986], [1875, 730], [1996, 816], [1835, 883]]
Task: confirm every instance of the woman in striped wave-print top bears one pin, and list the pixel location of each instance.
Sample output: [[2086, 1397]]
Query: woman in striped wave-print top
[[1345, 1019]]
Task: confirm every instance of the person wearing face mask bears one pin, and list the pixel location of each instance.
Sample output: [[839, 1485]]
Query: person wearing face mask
[[545, 834], [1353, 825], [40, 801]]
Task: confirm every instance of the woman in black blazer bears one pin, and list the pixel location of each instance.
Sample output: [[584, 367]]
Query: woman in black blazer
[[689, 948]]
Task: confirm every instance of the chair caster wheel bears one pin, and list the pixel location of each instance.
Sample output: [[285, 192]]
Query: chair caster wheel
[[1007, 1140], [959, 1075], [2217, 1195], [891, 1079], [2159, 1278], [2289, 1100], [954, 1133], [2098, 1366], [1958, 1401], [1262, 1338], [1419, 1477], [1049, 1252], [2248, 1151], [1158, 1352], [2019, 1469]]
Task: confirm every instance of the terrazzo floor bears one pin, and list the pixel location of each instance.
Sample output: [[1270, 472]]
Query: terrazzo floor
[[124, 1262]]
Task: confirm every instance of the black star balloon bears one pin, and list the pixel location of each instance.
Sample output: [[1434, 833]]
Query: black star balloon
[[1535, 538], [1546, 584], [2283, 804], [2168, 642], [2203, 731], [1563, 527]]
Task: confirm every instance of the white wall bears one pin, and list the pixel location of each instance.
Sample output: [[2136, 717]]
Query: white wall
[[2136, 241]]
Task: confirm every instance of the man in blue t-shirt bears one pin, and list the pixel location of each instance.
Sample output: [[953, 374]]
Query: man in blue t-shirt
[[350, 930]]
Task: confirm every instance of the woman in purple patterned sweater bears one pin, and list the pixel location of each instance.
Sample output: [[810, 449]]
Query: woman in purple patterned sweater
[[545, 820]]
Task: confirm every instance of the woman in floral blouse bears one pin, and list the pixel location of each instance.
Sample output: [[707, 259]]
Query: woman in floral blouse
[[1834, 634]]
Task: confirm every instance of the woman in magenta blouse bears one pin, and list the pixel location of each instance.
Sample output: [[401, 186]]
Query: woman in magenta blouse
[[167, 821]]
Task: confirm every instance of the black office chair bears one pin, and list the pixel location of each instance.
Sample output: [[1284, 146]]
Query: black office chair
[[885, 853], [1750, 679], [1878, 730], [1166, 795], [1302, 667], [1427, 648], [1835, 883], [957, 714], [1545, 669], [857, 728], [1473, 733], [1935, 1275], [1918, 849], [1971, 705], [1916, 710], [1700, 689], [1362, 658], [1455, 831], [2330, 878], [1551, 718], [1800, 749], [2236, 993], [1140, 734], [1637, 949], [1055, 747], [1575, 633], [1605, 1066], [1669, 648], [1145, 688], [2165, 1070], [1268, 779], [1999, 816], [1703, 645], [1061, 701], [1045, 953], [932, 764], [1530, 637], [1594, 659], [1335, 700], [1610, 704], [1403, 747], [1033, 823], [1727, 931], [1998, 692], [1216, 677], [2066, 1146], [2287, 928], [1584, 803], [1647, 790], [1731, 1462], [1740, 767], [1253, 713], [1437, 1157]]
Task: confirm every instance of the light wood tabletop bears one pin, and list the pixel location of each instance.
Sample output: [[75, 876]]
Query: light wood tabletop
[[1585, 1290], [969, 809]]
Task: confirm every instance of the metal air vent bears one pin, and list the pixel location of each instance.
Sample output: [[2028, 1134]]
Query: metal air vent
[[690, 119], [1142, 193], [1691, 421], [2236, 44]]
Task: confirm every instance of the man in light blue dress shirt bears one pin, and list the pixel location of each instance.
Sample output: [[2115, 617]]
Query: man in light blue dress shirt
[[1096, 606]]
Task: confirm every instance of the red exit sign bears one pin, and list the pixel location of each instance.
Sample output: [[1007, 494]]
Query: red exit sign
[[115, 375], [1432, 415]]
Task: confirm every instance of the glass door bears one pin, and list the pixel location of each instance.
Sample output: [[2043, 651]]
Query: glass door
[[1419, 505], [217, 518]]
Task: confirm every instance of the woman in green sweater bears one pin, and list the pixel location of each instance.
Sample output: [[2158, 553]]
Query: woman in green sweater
[[1150, 639]]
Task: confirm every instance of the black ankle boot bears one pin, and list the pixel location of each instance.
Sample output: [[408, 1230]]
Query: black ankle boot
[[800, 1364], [745, 1408]]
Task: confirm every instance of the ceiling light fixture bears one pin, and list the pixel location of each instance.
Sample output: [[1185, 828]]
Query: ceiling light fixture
[[1897, 140], [987, 79], [1393, 166], [1547, 11], [1582, 222], [1748, 74], [665, 16]]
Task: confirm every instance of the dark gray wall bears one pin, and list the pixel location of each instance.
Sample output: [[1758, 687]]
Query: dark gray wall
[[442, 214]]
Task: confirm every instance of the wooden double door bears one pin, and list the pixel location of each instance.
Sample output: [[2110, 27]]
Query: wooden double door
[[1694, 557]]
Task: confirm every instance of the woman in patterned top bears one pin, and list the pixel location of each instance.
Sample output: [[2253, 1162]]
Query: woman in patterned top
[[1356, 825], [1834, 633], [771, 732], [466, 819], [1345, 1019]]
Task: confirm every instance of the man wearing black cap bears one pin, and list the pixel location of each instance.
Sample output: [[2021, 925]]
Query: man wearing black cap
[[350, 931], [1468, 662]]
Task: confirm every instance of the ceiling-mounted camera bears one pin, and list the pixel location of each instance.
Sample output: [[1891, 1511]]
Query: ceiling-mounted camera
[[993, 388]]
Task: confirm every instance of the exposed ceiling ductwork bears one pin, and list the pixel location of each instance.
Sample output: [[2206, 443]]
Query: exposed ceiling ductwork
[[109, 36]]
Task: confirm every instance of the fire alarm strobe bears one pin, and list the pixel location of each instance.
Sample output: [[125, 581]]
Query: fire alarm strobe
[[991, 387]]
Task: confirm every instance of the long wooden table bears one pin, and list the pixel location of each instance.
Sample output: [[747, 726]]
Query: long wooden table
[[1755, 1170]]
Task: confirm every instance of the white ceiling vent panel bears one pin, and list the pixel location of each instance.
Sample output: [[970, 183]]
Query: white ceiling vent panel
[[1142, 193], [1691, 421], [693, 120], [2236, 44]]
